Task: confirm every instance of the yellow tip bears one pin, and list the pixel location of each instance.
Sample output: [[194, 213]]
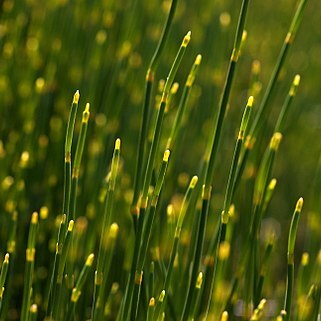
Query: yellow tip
[[187, 39], [162, 296], [224, 316], [71, 225], [299, 204], [275, 141], [198, 59], [90, 259], [86, 113], [166, 155], [262, 304], [76, 97], [34, 218], [6, 258], [114, 228], [250, 101], [34, 308], [152, 302], [272, 184], [296, 80], [117, 143], [193, 182]]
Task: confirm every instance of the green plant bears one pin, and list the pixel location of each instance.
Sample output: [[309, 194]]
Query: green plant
[[171, 221]]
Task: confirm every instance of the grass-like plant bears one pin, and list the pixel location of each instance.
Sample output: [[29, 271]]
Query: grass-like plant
[[185, 217]]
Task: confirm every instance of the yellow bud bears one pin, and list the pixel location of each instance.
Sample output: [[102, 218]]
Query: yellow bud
[[193, 182], [187, 39], [90, 259], [250, 101], [117, 144], [76, 97], [166, 155], [299, 205]]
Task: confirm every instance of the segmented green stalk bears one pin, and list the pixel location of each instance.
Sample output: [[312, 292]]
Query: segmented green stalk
[[228, 197], [196, 297], [68, 143], [67, 195], [263, 110], [54, 275], [56, 313], [183, 102], [76, 291], [216, 137], [142, 249], [179, 224], [239, 143], [210, 159], [109, 241], [160, 116], [3, 275], [144, 124], [78, 157], [108, 214], [279, 127], [290, 256], [260, 188], [74, 185], [29, 269], [149, 170]]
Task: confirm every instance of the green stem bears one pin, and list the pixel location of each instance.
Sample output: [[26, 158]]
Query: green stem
[[144, 124], [29, 269], [290, 256]]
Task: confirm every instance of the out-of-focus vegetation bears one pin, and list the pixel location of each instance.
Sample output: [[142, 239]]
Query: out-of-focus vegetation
[[147, 195]]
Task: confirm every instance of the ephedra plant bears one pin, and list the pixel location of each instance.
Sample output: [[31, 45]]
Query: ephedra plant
[[126, 233]]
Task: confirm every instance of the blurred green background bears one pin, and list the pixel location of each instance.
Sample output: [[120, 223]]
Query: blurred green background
[[48, 49]]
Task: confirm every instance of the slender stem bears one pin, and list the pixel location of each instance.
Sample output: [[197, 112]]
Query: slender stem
[[183, 102], [290, 256], [263, 110], [30, 261], [146, 235], [226, 93], [76, 291], [160, 116], [3, 275], [144, 124]]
